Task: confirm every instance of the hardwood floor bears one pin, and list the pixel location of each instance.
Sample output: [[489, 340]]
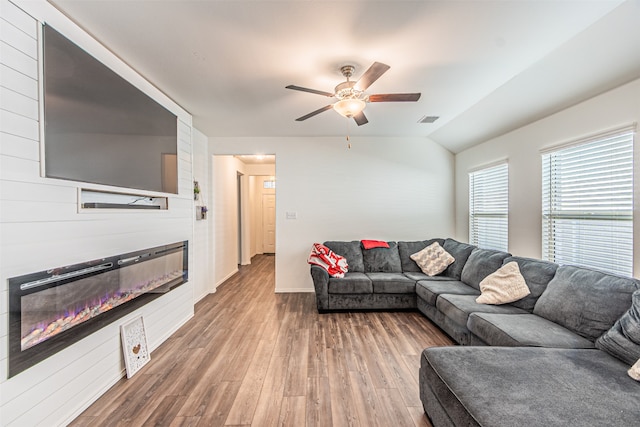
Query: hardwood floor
[[253, 357]]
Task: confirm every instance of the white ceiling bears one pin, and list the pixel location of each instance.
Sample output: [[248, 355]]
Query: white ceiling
[[485, 67]]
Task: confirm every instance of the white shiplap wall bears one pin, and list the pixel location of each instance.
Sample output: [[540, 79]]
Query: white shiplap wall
[[40, 228]]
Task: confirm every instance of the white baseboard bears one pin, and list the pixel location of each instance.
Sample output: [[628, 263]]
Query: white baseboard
[[225, 278], [293, 290]]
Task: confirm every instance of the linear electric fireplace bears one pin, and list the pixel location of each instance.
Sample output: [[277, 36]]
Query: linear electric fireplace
[[52, 309]]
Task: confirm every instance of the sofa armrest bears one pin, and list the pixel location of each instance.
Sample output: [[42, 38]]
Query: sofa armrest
[[320, 278]]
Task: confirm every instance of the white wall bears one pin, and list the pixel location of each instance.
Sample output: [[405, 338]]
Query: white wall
[[202, 229], [617, 108], [41, 228], [381, 188], [225, 216], [260, 169]]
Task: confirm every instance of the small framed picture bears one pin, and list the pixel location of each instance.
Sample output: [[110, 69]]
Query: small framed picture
[[134, 346]]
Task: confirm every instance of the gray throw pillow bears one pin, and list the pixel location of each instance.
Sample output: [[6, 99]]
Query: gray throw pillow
[[433, 259], [623, 339]]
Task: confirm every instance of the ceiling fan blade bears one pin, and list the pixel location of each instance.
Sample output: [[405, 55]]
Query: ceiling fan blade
[[313, 113], [394, 97], [360, 118], [305, 89], [371, 75]]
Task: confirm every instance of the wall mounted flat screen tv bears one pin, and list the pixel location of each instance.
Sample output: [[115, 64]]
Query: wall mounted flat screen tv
[[99, 128]]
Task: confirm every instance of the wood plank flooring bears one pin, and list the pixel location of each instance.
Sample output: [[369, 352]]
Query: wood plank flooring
[[253, 357]]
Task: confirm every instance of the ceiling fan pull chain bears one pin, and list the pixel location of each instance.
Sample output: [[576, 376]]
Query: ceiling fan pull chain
[[348, 142]]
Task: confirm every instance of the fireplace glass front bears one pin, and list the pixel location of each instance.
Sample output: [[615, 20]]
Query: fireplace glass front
[[53, 309]]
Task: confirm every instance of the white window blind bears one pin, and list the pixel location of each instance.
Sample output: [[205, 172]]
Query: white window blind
[[489, 207], [587, 204]]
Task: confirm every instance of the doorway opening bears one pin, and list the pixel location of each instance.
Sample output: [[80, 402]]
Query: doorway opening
[[239, 197], [245, 219]]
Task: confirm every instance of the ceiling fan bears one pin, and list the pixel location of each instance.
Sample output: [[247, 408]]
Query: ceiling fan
[[351, 96]]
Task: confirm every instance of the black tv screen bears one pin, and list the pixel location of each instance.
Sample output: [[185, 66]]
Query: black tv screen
[[101, 129]]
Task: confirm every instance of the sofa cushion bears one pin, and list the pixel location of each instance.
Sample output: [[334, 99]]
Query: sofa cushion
[[352, 283], [587, 302], [517, 330], [460, 251], [351, 251], [458, 307], [382, 260], [406, 249], [421, 276], [481, 263], [433, 259], [623, 339], [537, 274], [519, 386], [429, 290], [503, 286], [391, 283]]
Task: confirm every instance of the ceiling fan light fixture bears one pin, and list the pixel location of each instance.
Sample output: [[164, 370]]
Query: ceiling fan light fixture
[[351, 96], [349, 107]]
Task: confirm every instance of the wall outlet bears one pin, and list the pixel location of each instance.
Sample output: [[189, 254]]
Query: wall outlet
[[292, 215]]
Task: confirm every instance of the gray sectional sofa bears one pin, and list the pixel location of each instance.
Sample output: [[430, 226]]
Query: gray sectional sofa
[[379, 278], [556, 357]]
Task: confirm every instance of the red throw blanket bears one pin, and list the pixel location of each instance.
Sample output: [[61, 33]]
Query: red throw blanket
[[324, 257]]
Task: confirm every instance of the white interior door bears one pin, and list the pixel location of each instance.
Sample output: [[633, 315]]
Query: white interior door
[[269, 223]]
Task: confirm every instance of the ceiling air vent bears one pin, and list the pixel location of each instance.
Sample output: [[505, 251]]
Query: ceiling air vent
[[428, 119]]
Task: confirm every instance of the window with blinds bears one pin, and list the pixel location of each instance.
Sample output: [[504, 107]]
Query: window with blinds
[[489, 207], [587, 203]]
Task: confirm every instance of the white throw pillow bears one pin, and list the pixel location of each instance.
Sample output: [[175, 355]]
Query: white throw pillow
[[433, 259], [634, 371], [503, 286]]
